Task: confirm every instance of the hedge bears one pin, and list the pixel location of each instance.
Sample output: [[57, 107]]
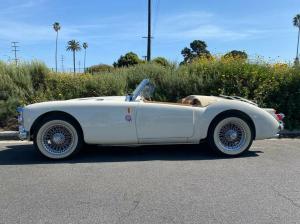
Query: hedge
[[270, 85]]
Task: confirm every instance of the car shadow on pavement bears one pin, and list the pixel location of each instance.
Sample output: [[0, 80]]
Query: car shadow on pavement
[[26, 154]]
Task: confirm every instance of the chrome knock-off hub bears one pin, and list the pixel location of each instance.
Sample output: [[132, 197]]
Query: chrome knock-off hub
[[58, 138]]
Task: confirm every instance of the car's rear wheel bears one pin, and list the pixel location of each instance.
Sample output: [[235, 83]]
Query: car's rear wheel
[[58, 138], [230, 135]]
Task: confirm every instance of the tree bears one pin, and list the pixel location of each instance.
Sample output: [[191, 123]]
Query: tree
[[161, 61], [85, 46], [296, 23], [237, 55], [73, 46], [56, 27], [101, 68], [197, 49], [127, 60]]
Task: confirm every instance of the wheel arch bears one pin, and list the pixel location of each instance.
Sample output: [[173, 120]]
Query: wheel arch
[[237, 113], [53, 113]]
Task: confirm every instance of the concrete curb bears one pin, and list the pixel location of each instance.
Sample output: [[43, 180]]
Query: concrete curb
[[13, 135], [9, 135], [289, 134]]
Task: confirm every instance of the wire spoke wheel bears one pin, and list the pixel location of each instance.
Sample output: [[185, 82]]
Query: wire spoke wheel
[[232, 136], [57, 139]]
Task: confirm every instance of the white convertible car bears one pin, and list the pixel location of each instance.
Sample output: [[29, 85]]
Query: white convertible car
[[230, 124]]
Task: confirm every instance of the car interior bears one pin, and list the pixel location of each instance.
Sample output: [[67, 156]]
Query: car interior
[[195, 101]]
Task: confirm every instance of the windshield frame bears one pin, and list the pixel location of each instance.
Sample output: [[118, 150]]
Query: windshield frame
[[138, 91]]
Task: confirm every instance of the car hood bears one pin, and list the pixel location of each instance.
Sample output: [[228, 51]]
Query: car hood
[[101, 98], [74, 102]]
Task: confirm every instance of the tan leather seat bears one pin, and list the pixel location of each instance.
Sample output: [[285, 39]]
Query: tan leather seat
[[198, 100]]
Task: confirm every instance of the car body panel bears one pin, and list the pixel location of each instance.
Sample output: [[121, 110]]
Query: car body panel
[[266, 126], [119, 120], [159, 122], [101, 122]]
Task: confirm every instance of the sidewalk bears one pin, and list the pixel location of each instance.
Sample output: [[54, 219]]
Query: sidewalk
[[13, 135]]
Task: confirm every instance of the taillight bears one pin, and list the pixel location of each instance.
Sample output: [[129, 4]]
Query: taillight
[[280, 116]]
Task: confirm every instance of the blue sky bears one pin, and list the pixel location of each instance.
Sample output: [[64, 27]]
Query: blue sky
[[112, 28]]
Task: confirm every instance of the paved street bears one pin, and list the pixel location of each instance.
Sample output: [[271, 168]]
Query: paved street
[[173, 184]]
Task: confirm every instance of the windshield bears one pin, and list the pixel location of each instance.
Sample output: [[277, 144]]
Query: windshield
[[140, 87], [145, 88]]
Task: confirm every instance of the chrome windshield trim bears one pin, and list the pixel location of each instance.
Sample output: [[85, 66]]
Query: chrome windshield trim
[[137, 92]]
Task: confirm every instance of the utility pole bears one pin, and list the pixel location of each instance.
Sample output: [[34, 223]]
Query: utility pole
[[149, 32], [145, 58], [62, 63], [15, 49]]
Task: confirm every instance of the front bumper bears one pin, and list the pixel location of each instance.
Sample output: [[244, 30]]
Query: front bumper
[[23, 134]]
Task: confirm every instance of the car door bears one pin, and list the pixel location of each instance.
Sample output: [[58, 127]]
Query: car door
[[164, 123], [109, 123]]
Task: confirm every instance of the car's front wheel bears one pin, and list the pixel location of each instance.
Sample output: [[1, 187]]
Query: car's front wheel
[[58, 138], [230, 135]]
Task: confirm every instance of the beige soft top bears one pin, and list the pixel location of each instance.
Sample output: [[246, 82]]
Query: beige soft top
[[199, 100]]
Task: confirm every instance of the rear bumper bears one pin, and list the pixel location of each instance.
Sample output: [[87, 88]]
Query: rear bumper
[[281, 126]]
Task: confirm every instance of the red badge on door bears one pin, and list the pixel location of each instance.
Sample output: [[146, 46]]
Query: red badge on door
[[128, 116]]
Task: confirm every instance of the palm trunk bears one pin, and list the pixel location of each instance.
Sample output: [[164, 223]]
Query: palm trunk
[[74, 62], [84, 60], [297, 55], [56, 52]]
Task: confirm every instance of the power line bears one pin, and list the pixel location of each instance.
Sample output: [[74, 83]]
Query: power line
[[15, 49]]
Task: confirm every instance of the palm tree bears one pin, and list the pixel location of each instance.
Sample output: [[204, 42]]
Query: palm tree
[[296, 23], [73, 46], [85, 46], [56, 27]]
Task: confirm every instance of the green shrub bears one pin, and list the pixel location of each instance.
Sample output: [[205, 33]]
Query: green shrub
[[101, 68], [161, 61], [16, 88], [276, 86]]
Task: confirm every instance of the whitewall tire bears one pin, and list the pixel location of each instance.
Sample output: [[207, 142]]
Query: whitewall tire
[[58, 138], [230, 135]]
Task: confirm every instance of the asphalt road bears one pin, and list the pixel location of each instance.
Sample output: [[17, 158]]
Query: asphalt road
[[174, 184]]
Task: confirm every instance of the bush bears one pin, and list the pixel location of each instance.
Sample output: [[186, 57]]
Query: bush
[[17, 87], [161, 61], [129, 59], [101, 68], [275, 86]]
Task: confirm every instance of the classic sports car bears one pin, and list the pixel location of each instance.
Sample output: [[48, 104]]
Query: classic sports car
[[229, 124]]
